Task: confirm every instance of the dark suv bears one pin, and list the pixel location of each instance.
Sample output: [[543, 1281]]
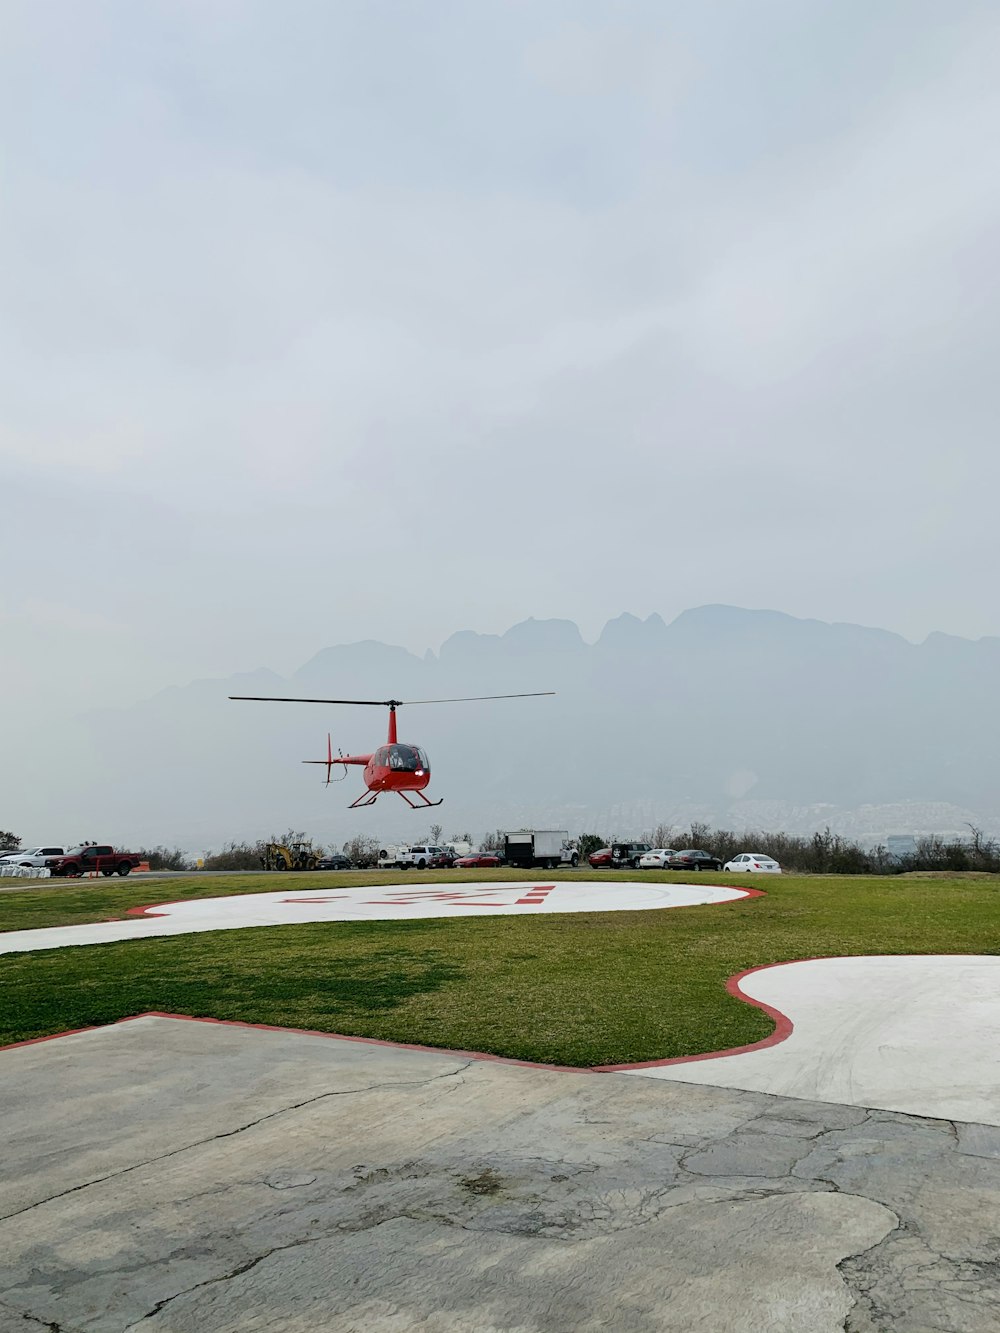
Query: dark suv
[[628, 854], [336, 861], [619, 855], [693, 859]]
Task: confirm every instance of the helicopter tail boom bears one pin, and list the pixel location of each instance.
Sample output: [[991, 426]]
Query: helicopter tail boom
[[332, 759]]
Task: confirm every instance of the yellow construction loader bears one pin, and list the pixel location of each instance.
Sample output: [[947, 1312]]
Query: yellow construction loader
[[299, 856]]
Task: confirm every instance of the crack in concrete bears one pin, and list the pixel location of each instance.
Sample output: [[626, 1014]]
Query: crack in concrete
[[230, 1133], [238, 1271], [904, 1264], [245, 1267], [34, 1319], [417, 1217], [858, 1257]]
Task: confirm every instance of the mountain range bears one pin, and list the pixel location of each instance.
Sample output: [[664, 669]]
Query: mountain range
[[744, 718]]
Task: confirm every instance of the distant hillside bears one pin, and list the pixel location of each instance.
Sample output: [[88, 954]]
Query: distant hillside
[[740, 717]]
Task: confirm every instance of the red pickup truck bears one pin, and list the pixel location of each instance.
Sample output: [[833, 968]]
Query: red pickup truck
[[92, 856]]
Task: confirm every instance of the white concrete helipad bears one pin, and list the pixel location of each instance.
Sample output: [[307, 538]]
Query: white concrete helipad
[[374, 902], [912, 1033]]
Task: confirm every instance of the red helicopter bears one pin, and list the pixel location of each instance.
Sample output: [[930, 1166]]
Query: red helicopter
[[393, 766]]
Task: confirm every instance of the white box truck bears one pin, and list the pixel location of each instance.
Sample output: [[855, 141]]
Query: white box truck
[[547, 847]]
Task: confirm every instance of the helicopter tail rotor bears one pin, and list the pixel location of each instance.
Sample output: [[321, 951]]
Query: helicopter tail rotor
[[329, 761]]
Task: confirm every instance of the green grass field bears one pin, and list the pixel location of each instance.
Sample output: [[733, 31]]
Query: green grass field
[[574, 989]]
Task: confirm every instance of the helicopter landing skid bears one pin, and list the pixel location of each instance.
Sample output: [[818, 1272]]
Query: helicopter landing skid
[[425, 803], [369, 798]]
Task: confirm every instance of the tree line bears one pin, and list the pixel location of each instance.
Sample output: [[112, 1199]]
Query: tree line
[[820, 853], [828, 853]]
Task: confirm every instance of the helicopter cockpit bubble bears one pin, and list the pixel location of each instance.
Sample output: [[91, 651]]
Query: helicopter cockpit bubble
[[406, 758]]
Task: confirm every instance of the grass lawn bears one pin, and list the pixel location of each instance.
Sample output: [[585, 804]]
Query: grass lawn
[[574, 989]]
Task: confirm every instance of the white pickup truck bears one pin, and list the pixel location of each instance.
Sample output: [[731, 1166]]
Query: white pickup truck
[[31, 856], [424, 856]]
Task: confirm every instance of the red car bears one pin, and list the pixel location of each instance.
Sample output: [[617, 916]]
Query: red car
[[476, 859]]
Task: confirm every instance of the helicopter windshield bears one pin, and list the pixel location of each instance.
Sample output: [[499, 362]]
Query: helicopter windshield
[[407, 759]]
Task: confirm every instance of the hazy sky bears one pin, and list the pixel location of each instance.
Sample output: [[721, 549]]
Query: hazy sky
[[336, 320]]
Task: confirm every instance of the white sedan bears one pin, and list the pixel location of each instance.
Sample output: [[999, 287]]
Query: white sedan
[[31, 856], [754, 863], [656, 859]]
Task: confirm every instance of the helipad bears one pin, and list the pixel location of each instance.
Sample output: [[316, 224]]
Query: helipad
[[375, 902]]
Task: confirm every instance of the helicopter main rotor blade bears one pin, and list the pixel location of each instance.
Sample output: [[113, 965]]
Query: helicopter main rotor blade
[[478, 698], [386, 703], [275, 699]]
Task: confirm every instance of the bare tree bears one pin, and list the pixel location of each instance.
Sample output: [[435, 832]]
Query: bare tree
[[700, 834], [362, 850], [660, 836]]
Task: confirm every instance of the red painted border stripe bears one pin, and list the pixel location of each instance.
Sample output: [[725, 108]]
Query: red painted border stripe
[[70, 1032], [301, 1032], [783, 1026]]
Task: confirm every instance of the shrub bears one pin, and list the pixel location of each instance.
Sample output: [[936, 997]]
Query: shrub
[[235, 856], [588, 843], [164, 858]]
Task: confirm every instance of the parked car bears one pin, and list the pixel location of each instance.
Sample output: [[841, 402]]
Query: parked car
[[422, 857], [693, 859], [336, 861], [477, 859], [458, 849], [755, 863], [656, 859], [31, 856], [601, 859], [90, 857]]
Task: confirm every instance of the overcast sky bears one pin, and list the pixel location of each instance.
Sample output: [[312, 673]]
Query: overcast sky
[[334, 320]]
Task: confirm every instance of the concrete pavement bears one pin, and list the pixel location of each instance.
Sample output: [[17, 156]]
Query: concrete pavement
[[908, 1032], [165, 1175]]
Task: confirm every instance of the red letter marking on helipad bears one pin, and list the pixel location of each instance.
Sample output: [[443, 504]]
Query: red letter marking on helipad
[[462, 898], [537, 895], [307, 901]]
